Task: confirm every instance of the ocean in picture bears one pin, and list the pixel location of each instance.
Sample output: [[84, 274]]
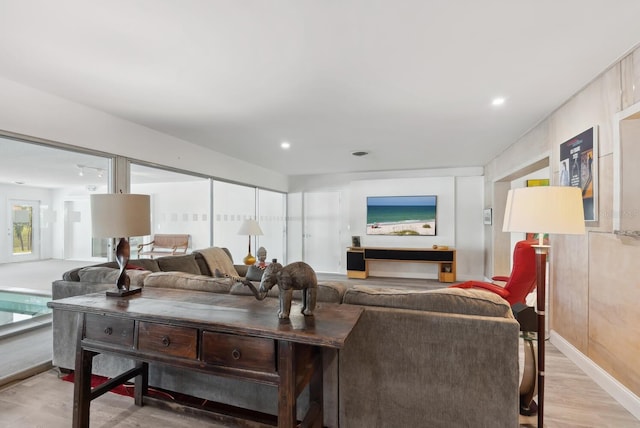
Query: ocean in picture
[[401, 215]]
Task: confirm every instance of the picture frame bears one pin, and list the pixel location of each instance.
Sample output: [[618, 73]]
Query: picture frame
[[402, 215], [355, 241], [579, 168], [487, 216]]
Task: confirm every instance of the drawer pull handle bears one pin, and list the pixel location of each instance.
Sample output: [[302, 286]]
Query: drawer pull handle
[[166, 341], [108, 331], [235, 354]]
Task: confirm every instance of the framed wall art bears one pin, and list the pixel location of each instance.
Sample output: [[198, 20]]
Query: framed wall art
[[579, 168]]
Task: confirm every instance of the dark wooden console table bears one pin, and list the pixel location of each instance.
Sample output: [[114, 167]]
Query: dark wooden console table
[[358, 259], [221, 334]]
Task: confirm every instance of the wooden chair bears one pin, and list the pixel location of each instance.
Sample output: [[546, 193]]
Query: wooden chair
[[165, 245]]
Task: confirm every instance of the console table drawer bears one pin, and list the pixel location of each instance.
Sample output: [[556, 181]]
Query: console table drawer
[[168, 340], [245, 352], [109, 329]]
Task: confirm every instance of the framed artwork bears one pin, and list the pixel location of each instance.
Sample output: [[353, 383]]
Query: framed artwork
[[487, 216], [538, 182], [579, 168], [355, 241], [402, 215]]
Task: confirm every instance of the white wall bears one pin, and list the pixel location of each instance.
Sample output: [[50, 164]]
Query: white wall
[[460, 204], [469, 227], [27, 111]]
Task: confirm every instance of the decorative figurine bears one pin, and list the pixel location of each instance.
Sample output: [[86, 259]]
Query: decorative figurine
[[262, 256], [294, 276]]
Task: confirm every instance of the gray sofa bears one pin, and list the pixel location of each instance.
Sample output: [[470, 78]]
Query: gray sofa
[[438, 358]]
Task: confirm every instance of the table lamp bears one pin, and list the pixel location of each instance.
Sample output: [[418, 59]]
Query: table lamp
[[543, 209], [250, 227], [120, 215]]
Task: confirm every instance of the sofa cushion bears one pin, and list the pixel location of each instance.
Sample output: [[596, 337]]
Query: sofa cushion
[[107, 275], [187, 281], [448, 300], [329, 292], [186, 263]]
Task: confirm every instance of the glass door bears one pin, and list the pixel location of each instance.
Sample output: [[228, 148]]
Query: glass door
[[25, 229]]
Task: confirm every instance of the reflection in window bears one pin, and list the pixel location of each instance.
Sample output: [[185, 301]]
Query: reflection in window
[[180, 204], [232, 204]]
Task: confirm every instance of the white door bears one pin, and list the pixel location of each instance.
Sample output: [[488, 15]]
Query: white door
[[321, 243], [24, 230]]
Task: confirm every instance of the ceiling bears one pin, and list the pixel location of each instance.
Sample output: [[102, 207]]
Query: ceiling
[[411, 82]]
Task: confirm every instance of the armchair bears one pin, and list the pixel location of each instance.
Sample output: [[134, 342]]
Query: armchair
[[519, 283]]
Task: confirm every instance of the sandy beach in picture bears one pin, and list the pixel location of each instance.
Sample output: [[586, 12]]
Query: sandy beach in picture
[[403, 228]]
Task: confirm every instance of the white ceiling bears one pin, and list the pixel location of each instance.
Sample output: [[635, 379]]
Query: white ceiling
[[410, 81]]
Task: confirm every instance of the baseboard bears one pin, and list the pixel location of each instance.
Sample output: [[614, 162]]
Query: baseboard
[[618, 391]]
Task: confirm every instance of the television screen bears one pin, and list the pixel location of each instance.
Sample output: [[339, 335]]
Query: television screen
[[401, 215]]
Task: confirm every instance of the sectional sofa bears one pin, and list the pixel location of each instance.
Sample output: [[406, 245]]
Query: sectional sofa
[[437, 358]]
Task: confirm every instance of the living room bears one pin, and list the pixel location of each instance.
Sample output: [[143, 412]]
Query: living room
[[589, 274]]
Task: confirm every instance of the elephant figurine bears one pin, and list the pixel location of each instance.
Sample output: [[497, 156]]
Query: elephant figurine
[[294, 276]]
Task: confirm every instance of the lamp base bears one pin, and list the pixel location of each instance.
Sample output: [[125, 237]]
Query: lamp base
[[249, 260], [122, 292]]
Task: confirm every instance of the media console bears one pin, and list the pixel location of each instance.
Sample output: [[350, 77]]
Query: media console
[[358, 259]]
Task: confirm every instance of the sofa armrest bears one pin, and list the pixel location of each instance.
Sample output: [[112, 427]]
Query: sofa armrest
[[438, 365], [61, 289]]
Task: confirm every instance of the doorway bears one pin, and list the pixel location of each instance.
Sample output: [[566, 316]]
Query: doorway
[[25, 230]]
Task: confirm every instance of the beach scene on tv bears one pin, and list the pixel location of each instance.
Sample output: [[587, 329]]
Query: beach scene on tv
[[401, 215]]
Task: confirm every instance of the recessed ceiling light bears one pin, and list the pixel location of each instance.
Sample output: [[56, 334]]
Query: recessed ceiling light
[[285, 145], [498, 101]]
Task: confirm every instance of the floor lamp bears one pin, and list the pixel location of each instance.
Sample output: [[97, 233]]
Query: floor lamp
[[120, 215], [543, 210]]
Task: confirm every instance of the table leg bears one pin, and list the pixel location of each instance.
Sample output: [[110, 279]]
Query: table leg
[[141, 387], [287, 386], [82, 381], [316, 392]]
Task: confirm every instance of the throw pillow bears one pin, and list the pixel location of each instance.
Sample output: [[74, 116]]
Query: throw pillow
[[186, 264], [254, 273]]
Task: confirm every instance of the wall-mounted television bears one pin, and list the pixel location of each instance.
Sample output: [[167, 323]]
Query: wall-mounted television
[[401, 215]]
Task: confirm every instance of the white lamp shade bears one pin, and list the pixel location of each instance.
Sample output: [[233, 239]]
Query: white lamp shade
[[120, 215], [544, 209], [250, 227]]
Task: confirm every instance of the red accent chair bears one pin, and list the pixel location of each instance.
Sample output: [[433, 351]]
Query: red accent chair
[[520, 283]]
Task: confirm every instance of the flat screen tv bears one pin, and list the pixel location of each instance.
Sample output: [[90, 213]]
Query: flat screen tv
[[401, 215]]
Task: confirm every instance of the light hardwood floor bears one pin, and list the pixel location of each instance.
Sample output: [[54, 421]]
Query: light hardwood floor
[[573, 400]]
